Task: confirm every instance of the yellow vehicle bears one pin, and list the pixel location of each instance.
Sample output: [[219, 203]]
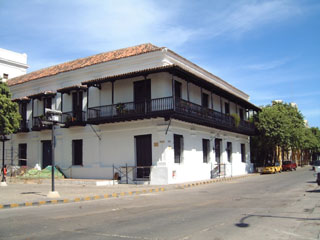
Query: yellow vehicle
[[270, 168]]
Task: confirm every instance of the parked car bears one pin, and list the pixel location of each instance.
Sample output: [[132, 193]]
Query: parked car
[[270, 168], [289, 165], [316, 166]]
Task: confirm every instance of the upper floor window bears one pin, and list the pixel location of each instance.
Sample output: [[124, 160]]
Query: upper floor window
[[77, 101], [5, 76], [205, 100], [177, 89], [23, 110], [241, 114], [226, 108], [47, 103]]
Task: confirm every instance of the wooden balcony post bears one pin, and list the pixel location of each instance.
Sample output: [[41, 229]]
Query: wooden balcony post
[[188, 91], [61, 108], [173, 94]]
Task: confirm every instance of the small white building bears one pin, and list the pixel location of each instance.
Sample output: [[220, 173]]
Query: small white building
[[143, 109], [12, 64]]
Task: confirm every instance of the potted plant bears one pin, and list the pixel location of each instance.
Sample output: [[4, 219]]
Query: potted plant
[[120, 108], [236, 118]]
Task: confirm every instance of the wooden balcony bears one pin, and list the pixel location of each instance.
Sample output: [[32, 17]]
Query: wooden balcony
[[167, 107], [74, 118], [37, 124], [24, 126]]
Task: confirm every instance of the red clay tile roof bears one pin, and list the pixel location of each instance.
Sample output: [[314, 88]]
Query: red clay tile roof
[[22, 99], [71, 88], [42, 94], [84, 62]]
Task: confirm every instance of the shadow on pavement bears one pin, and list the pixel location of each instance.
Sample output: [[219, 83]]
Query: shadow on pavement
[[33, 193], [312, 181], [242, 223], [314, 191]]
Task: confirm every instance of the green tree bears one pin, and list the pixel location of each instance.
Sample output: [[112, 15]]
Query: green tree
[[9, 111], [279, 125]]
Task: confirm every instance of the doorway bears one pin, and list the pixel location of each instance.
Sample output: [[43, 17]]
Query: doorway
[[46, 153], [142, 95], [143, 155], [217, 146], [77, 106]]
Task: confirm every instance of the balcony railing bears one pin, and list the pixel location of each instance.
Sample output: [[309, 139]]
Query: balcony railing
[[24, 126], [74, 118], [167, 107], [130, 109], [37, 124]]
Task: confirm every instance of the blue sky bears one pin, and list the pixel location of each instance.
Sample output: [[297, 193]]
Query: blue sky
[[268, 49]]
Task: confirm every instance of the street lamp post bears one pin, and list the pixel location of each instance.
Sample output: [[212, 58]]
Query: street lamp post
[[52, 117], [3, 139]]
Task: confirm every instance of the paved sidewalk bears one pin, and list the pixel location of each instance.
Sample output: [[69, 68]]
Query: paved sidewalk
[[34, 192]]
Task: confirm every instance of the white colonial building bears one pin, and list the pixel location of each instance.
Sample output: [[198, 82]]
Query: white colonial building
[[12, 64], [144, 109]]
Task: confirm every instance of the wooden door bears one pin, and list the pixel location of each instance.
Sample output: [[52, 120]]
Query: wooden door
[[143, 155], [77, 105], [46, 154], [142, 95], [217, 146]]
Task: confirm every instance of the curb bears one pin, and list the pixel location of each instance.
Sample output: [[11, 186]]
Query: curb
[[81, 199], [121, 194], [225, 179]]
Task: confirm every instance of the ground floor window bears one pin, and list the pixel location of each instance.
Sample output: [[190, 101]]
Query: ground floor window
[[229, 150], [77, 152], [243, 152], [22, 154], [206, 150], [178, 148]]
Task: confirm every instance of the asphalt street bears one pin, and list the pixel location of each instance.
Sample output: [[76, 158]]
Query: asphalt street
[[278, 206]]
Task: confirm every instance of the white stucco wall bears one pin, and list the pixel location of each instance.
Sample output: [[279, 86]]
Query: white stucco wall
[[12, 63], [117, 146]]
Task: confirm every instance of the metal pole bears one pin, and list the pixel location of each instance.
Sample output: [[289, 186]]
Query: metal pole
[[113, 174], [3, 140], [127, 173], [53, 143]]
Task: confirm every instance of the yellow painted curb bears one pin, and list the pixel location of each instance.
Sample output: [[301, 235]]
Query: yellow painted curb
[[77, 199], [114, 195], [42, 202], [28, 203], [96, 197], [122, 194], [54, 201], [65, 200], [14, 205], [1, 206], [106, 196], [87, 198]]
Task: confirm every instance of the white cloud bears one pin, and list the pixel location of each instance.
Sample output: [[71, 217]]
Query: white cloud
[[245, 16], [96, 25], [268, 65]]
